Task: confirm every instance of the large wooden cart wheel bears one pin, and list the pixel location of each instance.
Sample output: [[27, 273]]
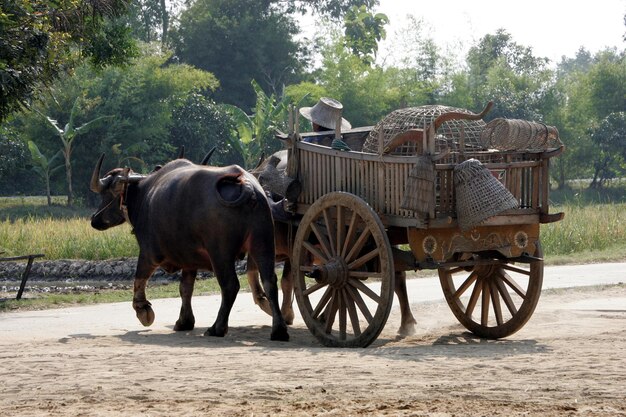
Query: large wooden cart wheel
[[340, 244], [493, 299]]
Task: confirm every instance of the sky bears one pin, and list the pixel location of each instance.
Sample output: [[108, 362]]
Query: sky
[[553, 28]]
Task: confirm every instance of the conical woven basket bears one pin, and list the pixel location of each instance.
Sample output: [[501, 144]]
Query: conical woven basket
[[479, 195], [419, 192]]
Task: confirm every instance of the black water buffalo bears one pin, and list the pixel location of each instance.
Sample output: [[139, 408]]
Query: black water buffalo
[[189, 217]]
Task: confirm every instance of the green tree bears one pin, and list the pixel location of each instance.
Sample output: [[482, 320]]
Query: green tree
[[363, 31], [509, 74], [141, 98], [68, 135], [150, 20], [240, 41], [367, 93], [41, 39], [12, 151], [257, 131], [590, 88], [610, 138], [608, 83], [199, 124], [45, 167]]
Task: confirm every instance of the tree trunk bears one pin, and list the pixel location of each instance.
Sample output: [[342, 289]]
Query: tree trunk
[[165, 18], [48, 189], [68, 177]]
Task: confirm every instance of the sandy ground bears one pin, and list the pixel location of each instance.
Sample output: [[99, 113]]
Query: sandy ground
[[569, 360]]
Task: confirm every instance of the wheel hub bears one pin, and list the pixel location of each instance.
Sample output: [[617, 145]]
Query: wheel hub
[[334, 272]]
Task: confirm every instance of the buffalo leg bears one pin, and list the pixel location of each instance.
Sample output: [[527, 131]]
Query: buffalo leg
[[407, 321], [286, 285], [186, 320], [258, 295], [229, 285], [142, 306], [270, 285], [260, 299]]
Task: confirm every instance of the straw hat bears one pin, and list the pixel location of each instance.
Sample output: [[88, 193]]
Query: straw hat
[[325, 113]]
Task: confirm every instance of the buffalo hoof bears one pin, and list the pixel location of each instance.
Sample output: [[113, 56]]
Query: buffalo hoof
[[280, 334], [145, 315], [184, 325], [212, 331], [407, 329], [288, 315], [263, 304]]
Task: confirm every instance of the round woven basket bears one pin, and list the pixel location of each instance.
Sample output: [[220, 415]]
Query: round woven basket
[[515, 134], [449, 133], [479, 195]]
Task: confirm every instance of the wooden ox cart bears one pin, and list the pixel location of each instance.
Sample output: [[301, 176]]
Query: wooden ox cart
[[362, 216]]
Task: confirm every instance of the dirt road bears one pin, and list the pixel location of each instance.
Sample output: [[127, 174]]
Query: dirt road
[[569, 360]]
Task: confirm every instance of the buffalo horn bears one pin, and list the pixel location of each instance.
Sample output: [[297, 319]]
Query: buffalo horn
[[96, 184], [207, 157], [181, 152]]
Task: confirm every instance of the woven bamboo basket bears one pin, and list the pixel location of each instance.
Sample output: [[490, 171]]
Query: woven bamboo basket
[[479, 195], [517, 135], [419, 192], [450, 135]]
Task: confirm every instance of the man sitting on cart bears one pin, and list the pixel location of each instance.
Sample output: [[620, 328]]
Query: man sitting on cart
[[324, 116]]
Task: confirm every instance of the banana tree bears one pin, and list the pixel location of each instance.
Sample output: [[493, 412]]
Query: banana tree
[[68, 135], [45, 167], [256, 131]]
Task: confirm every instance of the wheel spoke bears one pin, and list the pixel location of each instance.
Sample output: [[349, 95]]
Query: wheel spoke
[[504, 293], [358, 245], [484, 314], [321, 238], [331, 311], [365, 274], [330, 227], [474, 298], [511, 283], [365, 289], [466, 284], [349, 235], [354, 316], [495, 300], [322, 303], [313, 288], [314, 251], [516, 269], [456, 269], [365, 258], [340, 230], [342, 314], [356, 296]]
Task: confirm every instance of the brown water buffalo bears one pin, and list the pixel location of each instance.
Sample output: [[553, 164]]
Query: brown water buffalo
[[189, 217]]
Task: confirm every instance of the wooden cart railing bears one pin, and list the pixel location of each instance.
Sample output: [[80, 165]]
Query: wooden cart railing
[[381, 180]]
